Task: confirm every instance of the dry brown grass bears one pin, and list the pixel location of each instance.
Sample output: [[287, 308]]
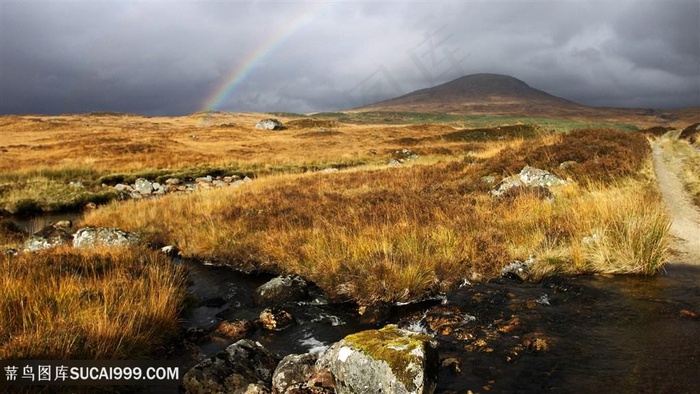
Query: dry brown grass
[[117, 143], [398, 234], [691, 134], [368, 233], [601, 229], [98, 304], [597, 155]]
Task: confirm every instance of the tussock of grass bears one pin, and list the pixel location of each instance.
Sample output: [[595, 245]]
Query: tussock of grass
[[620, 229], [109, 304]]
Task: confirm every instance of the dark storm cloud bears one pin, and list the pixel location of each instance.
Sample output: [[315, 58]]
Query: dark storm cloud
[[171, 58]]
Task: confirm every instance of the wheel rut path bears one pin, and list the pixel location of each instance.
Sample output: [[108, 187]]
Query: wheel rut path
[[685, 216]]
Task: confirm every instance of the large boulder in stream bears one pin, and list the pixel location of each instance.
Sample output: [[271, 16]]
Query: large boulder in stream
[[275, 319], [90, 237], [281, 290], [389, 360], [293, 373], [242, 366]]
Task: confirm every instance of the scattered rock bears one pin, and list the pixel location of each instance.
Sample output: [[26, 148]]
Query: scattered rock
[[689, 313], [535, 342], [88, 237], [170, 251], [196, 335], [489, 179], [276, 319], [518, 270], [405, 155], [452, 364], [394, 163], [236, 330], [540, 192], [233, 370], [122, 188], [528, 177], [11, 252], [257, 388], [49, 237], [568, 164], [281, 290], [293, 372], [143, 186], [390, 360], [63, 224], [269, 124]]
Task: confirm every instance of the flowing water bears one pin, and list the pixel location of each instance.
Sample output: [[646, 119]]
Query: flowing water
[[33, 224], [598, 334]]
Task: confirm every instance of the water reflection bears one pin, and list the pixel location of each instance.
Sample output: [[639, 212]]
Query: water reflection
[[602, 334]]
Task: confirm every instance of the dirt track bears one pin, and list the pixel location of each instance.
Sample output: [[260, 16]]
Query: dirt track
[[685, 216]]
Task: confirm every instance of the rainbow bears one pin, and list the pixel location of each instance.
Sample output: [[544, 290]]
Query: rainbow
[[242, 69]]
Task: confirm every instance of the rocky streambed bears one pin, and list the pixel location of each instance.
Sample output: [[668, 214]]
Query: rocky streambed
[[564, 334]]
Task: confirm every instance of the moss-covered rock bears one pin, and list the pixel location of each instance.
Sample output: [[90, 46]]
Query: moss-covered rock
[[233, 370], [389, 360]]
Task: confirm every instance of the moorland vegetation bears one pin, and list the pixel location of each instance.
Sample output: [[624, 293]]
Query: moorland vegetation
[[371, 232]]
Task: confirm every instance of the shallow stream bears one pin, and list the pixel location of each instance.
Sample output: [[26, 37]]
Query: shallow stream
[[596, 334]]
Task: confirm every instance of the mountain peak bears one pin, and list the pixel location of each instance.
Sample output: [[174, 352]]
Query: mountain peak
[[477, 93]]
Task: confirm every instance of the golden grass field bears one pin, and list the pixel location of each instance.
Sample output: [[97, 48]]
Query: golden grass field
[[370, 232]]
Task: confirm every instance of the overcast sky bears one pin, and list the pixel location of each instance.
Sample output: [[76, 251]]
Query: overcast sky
[[179, 57]]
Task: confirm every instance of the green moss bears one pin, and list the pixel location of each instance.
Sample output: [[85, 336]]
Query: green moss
[[393, 346], [46, 195]]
